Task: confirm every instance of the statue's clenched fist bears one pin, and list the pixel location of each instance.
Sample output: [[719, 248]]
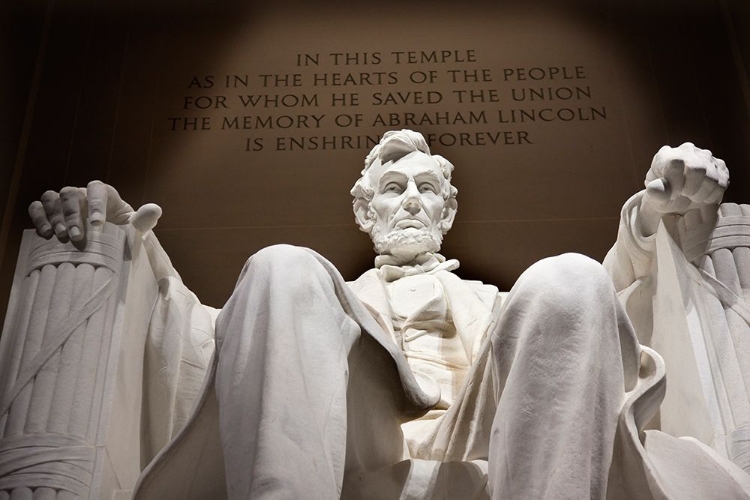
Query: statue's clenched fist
[[680, 180], [64, 214], [684, 178]]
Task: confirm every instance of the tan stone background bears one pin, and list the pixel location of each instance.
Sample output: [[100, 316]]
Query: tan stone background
[[93, 90]]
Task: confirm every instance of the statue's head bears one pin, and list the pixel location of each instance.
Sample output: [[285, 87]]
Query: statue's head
[[404, 199]]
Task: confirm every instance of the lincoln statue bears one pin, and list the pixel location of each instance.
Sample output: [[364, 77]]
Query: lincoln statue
[[410, 382]]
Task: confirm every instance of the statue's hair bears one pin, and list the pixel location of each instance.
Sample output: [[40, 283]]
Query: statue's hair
[[394, 145]]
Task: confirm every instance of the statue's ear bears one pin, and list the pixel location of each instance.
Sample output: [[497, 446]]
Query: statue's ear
[[449, 215], [362, 214]]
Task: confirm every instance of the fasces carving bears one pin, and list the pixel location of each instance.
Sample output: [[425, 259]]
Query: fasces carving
[[411, 382], [55, 366]]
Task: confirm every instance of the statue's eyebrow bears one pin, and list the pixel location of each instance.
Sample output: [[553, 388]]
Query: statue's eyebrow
[[397, 176], [429, 174], [390, 176]]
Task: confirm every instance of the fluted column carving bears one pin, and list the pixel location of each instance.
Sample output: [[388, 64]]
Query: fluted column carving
[[58, 344]]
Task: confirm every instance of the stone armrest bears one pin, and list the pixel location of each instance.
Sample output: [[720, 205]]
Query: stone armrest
[[71, 367], [701, 326]]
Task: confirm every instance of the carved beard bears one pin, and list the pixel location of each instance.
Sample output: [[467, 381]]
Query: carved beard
[[407, 242]]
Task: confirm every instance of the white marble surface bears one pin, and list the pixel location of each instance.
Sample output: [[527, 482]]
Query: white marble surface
[[413, 383]]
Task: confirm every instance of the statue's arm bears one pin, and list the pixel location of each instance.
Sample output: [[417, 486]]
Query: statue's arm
[[630, 257], [680, 180]]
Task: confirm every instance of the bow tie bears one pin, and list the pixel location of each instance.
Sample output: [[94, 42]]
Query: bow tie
[[426, 264]]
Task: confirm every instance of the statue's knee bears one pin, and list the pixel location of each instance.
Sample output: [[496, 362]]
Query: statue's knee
[[282, 267], [566, 280], [285, 258]]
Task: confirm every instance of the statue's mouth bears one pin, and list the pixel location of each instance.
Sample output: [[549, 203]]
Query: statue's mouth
[[406, 223]]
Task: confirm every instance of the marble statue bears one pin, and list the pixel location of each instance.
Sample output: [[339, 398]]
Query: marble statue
[[410, 382]]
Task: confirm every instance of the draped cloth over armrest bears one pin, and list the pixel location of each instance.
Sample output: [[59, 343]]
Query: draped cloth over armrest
[[685, 289], [102, 355]]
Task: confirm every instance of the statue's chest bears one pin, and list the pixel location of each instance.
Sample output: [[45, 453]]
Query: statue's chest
[[418, 296], [423, 322]]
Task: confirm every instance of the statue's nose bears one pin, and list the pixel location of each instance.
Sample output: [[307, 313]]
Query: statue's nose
[[411, 201]]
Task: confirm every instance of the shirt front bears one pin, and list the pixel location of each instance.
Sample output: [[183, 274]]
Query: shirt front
[[439, 322], [424, 330]]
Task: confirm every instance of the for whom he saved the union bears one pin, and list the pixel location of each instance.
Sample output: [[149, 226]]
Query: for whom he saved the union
[[413, 383]]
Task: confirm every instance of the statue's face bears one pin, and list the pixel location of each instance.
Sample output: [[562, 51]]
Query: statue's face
[[407, 206]]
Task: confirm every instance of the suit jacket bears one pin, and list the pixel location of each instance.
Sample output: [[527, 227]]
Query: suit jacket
[[195, 451]]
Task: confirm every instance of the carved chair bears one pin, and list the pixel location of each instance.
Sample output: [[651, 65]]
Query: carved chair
[[88, 397], [701, 327]]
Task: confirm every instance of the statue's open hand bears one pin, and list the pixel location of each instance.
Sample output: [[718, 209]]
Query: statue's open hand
[[64, 214], [685, 178]]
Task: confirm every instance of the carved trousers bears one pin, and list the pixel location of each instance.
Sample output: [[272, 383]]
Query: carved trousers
[[309, 394]]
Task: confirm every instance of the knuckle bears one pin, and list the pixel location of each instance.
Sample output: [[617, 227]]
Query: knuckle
[[663, 152], [95, 201], [69, 210], [68, 192], [676, 164], [36, 210], [49, 196], [713, 176]]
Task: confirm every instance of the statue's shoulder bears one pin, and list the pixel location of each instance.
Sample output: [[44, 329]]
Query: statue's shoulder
[[367, 278], [367, 286]]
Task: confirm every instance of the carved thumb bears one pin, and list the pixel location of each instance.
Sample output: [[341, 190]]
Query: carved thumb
[[146, 217]]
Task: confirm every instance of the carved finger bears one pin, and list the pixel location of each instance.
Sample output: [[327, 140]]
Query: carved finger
[[658, 191], [105, 204], [674, 174], [146, 217], [96, 195], [51, 204], [118, 211], [714, 198], [707, 187], [39, 218], [71, 199], [723, 172], [694, 176], [657, 165]]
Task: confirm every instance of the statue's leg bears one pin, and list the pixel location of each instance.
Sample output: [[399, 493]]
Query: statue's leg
[[564, 353], [293, 369]]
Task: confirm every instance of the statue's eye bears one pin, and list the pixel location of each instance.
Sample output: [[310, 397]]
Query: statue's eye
[[427, 187], [392, 187]]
